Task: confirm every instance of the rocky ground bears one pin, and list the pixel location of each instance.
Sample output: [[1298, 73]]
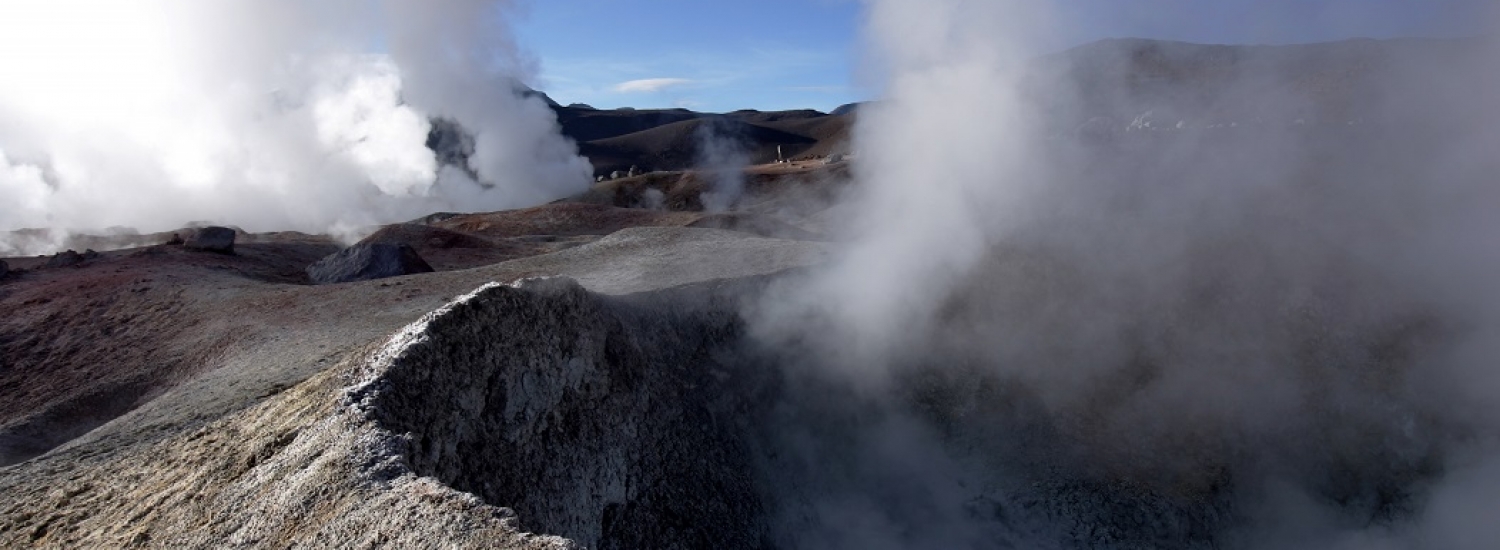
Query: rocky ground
[[572, 375], [204, 401], [172, 395]]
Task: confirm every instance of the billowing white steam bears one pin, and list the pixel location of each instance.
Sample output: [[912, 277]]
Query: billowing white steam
[[942, 161], [1304, 313], [722, 158], [274, 114]]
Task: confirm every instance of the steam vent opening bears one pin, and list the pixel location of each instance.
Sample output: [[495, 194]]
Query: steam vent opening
[[655, 420]]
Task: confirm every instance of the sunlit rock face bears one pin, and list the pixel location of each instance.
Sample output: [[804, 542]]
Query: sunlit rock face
[[617, 422]]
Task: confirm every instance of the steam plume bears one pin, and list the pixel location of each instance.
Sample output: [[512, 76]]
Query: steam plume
[[268, 115], [1266, 319], [722, 159]]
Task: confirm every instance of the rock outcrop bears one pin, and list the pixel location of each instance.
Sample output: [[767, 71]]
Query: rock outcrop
[[368, 261], [656, 421], [250, 436], [608, 421], [211, 239], [70, 258]]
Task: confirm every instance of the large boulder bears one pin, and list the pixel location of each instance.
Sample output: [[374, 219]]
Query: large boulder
[[70, 258], [368, 261], [211, 239]]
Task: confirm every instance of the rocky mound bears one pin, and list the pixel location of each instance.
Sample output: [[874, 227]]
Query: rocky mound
[[211, 239], [365, 262], [652, 421], [447, 250], [167, 422], [70, 258], [619, 432]]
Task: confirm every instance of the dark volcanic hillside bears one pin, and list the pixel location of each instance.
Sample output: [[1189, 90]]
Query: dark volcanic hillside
[[585, 124], [672, 139], [680, 145]]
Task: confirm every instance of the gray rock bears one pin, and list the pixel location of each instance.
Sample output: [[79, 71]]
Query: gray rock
[[452, 144], [211, 239], [655, 420], [594, 437], [67, 258], [364, 262], [232, 459]]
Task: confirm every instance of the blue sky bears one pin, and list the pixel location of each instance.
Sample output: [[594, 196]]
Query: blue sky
[[713, 55], [721, 55]]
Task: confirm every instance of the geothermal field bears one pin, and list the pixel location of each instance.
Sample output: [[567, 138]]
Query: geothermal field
[[1126, 294]]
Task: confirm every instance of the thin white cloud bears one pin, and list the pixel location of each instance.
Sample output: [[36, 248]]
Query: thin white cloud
[[819, 89], [649, 85]]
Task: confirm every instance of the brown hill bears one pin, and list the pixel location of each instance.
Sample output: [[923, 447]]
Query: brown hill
[[672, 139], [681, 145], [587, 124]]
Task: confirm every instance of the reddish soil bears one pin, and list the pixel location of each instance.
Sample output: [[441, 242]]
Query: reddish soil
[[561, 220], [810, 180], [85, 343]]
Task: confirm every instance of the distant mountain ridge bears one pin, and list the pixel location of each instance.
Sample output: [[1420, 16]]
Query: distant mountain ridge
[[673, 139]]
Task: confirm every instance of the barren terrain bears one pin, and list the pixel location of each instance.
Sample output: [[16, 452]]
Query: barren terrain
[[599, 372]]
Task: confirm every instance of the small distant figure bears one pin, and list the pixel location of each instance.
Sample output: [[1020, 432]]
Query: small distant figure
[[633, 171], [614, 175]]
